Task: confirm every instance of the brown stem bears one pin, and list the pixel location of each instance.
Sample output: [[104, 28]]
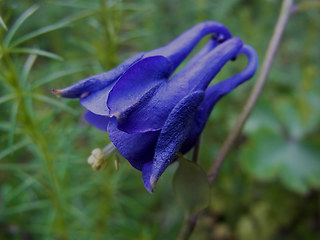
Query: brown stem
[[188, 226], [255, 93], [196, 152]]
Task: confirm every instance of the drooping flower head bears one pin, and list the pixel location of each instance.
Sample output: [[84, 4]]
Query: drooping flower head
[[150, 115]]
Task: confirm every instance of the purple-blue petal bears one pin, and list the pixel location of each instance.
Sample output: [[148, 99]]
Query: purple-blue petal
[[210, 45], [146, 123], [137, 148], [174, 132], [149, 117], [158, 65], [214, 93], [136, 82], [199, 75], [100, 122], [178, 49], [146, 173], [153, 112], [97, 101], [143, 122], [94, 83]]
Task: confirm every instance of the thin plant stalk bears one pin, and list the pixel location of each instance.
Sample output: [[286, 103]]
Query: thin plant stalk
[[283, 18], [256, 91], [196, 152]]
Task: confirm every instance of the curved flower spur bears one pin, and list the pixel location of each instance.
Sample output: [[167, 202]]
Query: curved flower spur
[[149, 115]]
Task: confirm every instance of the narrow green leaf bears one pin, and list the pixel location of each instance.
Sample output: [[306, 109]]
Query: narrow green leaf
[[6, 98], [3, 25], [2, 78], [55, 76], [191, 186], [5, 83], [36, 51], [13, 121], [17, 167], [26, 171], [26, 69], [85, 5], [14, 148], [18, 23], [25, 184], [26, 207], [5, 126], [77, 213], [54, 103], [29, 105], [133, 34], [39, 32]]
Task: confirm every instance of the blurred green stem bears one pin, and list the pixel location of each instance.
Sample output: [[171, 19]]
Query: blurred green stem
[[108, 50], [188, 226], [255, 93], [37, 137], [196, 152]]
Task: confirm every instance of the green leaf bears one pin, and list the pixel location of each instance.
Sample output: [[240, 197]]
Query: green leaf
[[36, 51], [262, 117], [86, 5], [2, 24], [23, 207], [298, 123], [26, 69], [39, 32], [17, 167], [132, 35], [7, 97], [55, 76], [295, 164], [13, 122], [18, 23], [14, 148], [290, 118], [191, 186], [23, 186], [54, 103], [6, 126]]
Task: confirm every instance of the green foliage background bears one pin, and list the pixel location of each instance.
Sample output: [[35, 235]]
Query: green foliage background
[[267, 189]]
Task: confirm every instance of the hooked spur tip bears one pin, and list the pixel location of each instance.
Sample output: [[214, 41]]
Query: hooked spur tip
[[150, 190], [148, 187], [56, 92], [153, 181]]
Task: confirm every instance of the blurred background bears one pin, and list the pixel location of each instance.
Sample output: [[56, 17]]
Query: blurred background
[[268, 187]]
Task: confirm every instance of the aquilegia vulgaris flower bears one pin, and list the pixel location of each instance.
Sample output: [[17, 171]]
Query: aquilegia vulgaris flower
[[149, 115]]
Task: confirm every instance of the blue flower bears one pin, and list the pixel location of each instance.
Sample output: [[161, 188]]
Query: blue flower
[[150, 115]]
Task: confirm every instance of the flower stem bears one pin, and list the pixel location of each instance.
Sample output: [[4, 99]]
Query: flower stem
[[256, 91], [196, 152], [187, 227], [286, 7]]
